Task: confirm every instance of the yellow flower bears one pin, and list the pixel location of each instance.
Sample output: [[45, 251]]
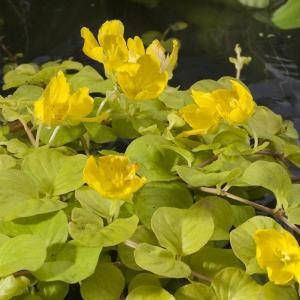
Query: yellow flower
[[202, 116], [142, 80], [112, 176], [234, 106], [167, 62], [136, 49], [110, 49], [278, 253], [58, 106]]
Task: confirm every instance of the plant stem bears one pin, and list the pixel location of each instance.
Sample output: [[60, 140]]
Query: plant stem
[[37, 137], [85, 143], [208, 161], [28, 131], [269, 211], [53, 135], [131, 244], [291, 225], [201, 277], [237, 198], [101, 106]]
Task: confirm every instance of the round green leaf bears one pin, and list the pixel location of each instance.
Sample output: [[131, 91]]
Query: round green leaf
[[93, 202], [52, 228], [232, 283], [23, 252], [197, 178], [271, 176], [126, 253], [287, 16], [160, 261], [53, 172], [222, 215], [195, 291], [277, 292], [87, 229], [143, 279], [182, 231], [69, 262], [149, 292], [154, 160], [210, 261], [158, 194], [107, 283]]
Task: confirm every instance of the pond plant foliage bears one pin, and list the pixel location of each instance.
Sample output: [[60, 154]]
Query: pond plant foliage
[[133, 189]]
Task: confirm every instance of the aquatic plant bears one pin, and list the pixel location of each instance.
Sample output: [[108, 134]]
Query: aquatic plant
[[131, 188]]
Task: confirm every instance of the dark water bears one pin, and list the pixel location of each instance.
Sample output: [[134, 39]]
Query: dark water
[[46, 30]]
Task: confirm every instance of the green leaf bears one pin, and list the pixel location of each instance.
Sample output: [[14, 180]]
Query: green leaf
[[23, 252], [69, 263], [19, 197], [177, 26], [123, 128], [173, 98], [158, 194], [206, 85], [241, 213], [287, 16], [100, 133], [126, 253], [143, 279], [31, 73], [195, 291], [264, 122], [53, 172], [277, 292], [149, 292], [19, 76], [7, 162], [89, 77], [232, 283], [293, 210], [198, 178], [271, 176], [160, 261], [13, 286], [243, 244], [87, 229], [56, 290], [93, 202], [52, 228], [155, 162], [221, 213], [210, 261], [255, 3], [107, 283], [182, 231], [150, 36], [3, 238], [18, 148], [65, 135]]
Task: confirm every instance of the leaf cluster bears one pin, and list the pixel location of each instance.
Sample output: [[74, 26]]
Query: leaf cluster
[[186, 234]]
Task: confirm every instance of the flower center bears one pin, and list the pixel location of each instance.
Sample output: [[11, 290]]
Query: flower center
[[285, 257]]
